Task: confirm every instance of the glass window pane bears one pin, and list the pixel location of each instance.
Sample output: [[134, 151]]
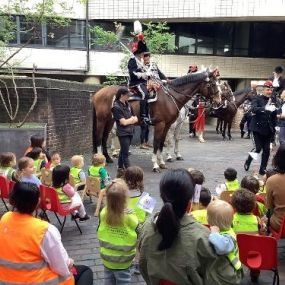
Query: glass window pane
[[185, 37], [57, 36], [77, 34], [223, 35], [30, 31], [205, 38], [241, 40]]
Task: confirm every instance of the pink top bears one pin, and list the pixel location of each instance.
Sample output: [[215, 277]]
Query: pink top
[[68, 190]]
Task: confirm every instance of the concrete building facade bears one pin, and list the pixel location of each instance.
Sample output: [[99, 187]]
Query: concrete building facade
[[244, 38]]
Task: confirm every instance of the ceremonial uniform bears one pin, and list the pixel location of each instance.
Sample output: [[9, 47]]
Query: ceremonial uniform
[[262, 125]]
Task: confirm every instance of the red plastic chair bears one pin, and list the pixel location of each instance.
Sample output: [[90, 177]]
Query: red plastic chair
[[259, 253], [281, 233], [165, 282], [4, 190], [50, 202]]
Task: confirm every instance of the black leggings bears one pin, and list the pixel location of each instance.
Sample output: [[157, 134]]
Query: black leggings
[[84, 275]]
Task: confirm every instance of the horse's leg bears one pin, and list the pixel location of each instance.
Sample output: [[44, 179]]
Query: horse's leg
[[107, 130], [176, 141], [160, 160], [222, 122], [224, 129], [218, 125], [229, 130], [167, 144], [157, 138]]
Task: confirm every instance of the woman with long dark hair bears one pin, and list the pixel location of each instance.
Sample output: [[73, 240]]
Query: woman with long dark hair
[[175, 247]]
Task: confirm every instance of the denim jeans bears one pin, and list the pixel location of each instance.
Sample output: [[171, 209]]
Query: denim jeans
[[117, 277], [125, 142]]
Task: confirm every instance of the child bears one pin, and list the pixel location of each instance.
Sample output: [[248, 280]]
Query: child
[[222, 237], [231, 183], [39, 158], [199, 179], [205, 199], [97, 169], [77, 163], [243, 201], [66, 194], [27, 169], [38, 141], [55, 160], [134, 179], [7, 164], [252, 184], [117, 234]]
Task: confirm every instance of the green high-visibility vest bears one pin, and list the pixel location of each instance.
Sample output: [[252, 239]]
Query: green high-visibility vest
[[7, 172], [38, 163], [74, 172], [118, 243], [245, 223], [233, 256], [63, 198], [132, 204], [200, 216], [232, 185]]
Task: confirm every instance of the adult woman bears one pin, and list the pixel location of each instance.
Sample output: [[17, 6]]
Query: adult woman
[[281, 121], [275, 189], [125, 120], [31, 250], [174, 247]]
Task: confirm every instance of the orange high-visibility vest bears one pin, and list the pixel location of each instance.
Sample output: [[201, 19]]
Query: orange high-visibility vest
[[21, 262]]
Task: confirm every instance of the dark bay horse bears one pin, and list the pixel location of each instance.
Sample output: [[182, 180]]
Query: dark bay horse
[[226, 115], [170, 99]]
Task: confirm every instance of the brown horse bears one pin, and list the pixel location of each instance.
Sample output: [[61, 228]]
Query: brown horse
[[227, 113], [170, 99]]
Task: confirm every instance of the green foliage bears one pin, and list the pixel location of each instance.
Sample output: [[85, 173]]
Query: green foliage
[[100, 37], [114, 80], [158, 38]]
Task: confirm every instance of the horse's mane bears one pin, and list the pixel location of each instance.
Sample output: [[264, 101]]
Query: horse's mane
[[193, 77], [242, 91]]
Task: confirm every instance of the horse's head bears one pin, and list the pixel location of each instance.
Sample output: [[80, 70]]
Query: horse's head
[[211, 87], [226, 92]]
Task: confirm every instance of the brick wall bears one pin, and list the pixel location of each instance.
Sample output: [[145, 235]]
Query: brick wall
[[64, 106]]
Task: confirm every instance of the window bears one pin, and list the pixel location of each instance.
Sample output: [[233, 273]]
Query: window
[[57, 36], [241, 39], [205, 38], [30, 32], [223, 38], [77, 34]]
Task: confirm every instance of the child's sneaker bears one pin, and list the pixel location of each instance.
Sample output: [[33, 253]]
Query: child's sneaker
[[135, 269], [75, 216], [84, 219]]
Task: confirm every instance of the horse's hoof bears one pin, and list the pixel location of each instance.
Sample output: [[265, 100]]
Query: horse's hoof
[[162, 166], [179, 158], [155, 170], [169, 160], [109, 160]]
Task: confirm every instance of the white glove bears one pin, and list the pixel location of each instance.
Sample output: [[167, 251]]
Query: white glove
[[144, 76], [270, 108], [149, 73]]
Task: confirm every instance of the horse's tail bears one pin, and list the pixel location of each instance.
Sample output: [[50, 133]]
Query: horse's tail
[[94, 131]]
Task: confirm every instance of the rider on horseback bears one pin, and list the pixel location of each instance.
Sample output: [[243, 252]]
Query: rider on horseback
[[138, 77]]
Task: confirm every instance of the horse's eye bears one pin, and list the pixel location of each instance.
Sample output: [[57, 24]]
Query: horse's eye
[[208, 85]]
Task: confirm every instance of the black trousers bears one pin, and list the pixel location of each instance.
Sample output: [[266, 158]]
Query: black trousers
[[84, 275], [123, 160], [262, 143], [143, 103], [245, 119], [144, 133]]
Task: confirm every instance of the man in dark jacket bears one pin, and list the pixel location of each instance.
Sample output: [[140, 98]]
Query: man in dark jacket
[[278, 81], [262, 125]]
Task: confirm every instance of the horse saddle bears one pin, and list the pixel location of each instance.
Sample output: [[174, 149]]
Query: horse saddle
[[136, 96]]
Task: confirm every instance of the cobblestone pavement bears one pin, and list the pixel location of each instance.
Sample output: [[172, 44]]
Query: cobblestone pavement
[[212, 158]]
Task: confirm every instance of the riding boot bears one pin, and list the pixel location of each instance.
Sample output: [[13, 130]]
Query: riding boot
[[247, 163], [144, 112]]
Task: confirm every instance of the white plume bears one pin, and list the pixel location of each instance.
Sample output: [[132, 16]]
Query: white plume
[[137, 27]]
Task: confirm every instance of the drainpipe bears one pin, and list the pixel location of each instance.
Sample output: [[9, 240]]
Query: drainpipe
[[87, 38]]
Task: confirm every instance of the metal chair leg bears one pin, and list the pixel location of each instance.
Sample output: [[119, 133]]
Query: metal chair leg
[[57, 218], [63, 223], [77, 226], [5, 204]]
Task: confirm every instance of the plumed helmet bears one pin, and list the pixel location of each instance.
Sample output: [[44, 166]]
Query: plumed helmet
[[268, 83]]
